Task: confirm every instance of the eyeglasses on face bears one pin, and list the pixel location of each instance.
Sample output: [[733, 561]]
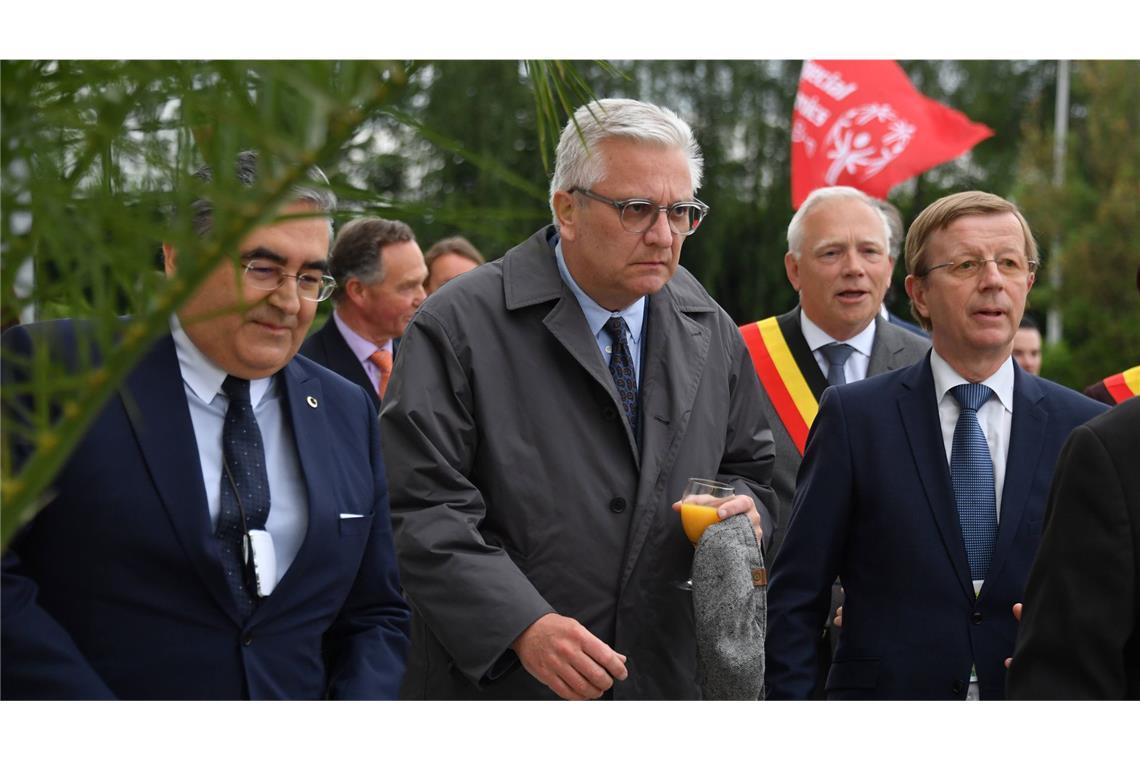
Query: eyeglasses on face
[[637, 215], [969, 267], [268, 275]]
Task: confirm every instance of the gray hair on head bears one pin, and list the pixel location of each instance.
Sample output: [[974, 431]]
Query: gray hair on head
[[821, 194], [245, 171], [578, 162]]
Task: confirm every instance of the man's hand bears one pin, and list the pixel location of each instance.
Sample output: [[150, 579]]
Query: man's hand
[[573, 662], [1017, 616], [737, 505]]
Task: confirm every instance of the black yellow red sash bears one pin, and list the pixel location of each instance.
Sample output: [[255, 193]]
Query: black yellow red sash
[[1124, 385], [782, 379]]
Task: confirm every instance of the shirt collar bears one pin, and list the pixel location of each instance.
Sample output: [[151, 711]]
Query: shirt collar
[[596, 316], [862, 342], [945, 378], [202, 375], [361, 347]]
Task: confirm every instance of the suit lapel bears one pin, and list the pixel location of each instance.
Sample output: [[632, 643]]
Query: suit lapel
[[1026, 440], [303, 402], [675, 354], [342, 361], [154, 397], [919, 413], [884, 350]]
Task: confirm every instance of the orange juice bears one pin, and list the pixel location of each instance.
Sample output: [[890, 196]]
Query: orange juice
[[695, 518]]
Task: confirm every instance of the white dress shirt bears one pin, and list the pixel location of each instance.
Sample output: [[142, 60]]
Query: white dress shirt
[[855, 368], [288, 500]]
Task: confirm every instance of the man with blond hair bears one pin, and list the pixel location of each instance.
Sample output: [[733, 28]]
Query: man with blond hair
[[924, 489]]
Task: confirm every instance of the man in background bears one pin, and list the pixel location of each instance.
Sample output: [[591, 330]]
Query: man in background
[[1027, 346], [448, 259], [380, 272]]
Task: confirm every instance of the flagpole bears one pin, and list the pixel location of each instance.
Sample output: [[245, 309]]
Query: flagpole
[[1060, 132]]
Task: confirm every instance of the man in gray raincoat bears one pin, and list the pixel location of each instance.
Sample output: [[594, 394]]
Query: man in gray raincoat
[[544, 415]]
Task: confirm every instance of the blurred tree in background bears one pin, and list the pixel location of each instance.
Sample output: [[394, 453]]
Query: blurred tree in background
[[97, 154]]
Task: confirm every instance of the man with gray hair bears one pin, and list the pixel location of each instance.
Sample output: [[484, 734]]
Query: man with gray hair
[[546, 412], [221, 531], [839, 260], [380, 273]]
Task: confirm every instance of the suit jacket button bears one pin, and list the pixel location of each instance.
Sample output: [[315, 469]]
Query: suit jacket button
[[957, 687], [609, 413], [617, 505], [976, 618], [247, 640]]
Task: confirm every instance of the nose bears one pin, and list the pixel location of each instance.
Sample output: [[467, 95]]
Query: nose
[[853, 264], [990, 276], [286, 297], [419, 297], [660, 233]]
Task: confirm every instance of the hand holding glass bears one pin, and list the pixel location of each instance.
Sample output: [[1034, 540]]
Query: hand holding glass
[[699, 504]]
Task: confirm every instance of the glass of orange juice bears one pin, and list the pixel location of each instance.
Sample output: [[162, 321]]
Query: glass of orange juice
[[699, 504]]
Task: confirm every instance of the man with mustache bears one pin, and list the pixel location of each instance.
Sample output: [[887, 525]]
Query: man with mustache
[[222, 529], [546, 412], [840, 261], [923, 489], [380, 273]]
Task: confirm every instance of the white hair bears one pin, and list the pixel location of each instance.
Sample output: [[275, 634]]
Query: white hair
[[578, 162], [819, 195]]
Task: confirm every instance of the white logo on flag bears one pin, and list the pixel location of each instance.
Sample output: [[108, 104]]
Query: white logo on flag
[[864, 140]]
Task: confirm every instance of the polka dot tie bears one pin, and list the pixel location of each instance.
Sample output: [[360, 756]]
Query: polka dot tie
[[972, 473], [383, 361], [836, 355], [621, 367], [244, 455]]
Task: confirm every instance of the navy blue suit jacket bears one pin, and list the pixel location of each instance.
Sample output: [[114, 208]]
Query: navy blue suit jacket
[[328, 348], [874, 505], [116, 589]]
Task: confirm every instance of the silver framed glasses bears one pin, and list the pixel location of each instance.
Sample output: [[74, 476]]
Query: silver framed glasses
[[638, 214], [970, 267], [269, 275]]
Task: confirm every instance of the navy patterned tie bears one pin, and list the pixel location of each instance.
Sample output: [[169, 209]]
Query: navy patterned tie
[[836, 355], [621, 367], [244, 456], [972, 473]]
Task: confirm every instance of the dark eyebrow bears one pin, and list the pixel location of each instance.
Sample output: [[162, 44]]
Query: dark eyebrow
[[264, 253]]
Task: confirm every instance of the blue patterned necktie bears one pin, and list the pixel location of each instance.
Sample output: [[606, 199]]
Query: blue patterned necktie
[[836, 355], [621, 367], [972, 473], [244, 458]]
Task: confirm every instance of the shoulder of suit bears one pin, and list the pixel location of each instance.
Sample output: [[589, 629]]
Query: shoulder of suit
[[908, 339]]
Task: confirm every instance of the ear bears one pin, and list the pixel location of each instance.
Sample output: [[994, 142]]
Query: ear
[[916, 291], [792, 267], [566, 209], [169, 259], [356, 292], [1029, 286]]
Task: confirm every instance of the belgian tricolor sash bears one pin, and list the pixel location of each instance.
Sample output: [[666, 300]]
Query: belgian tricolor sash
[[782, 379], [1124, 385]]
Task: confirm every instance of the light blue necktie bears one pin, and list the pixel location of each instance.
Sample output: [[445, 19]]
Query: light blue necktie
[[972, 473], [836, 355]]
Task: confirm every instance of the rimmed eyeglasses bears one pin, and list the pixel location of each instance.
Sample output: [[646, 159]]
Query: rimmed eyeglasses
[[267, 275], [638, 214], [1009, 267]]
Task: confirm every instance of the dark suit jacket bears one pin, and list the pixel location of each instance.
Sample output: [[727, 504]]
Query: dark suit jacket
[[116, 589], [1080, 633], [893, 348], [874, 506], [327, 347]]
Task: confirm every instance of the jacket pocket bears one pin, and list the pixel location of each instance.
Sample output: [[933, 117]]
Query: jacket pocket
[[853, 674], [353, 525]]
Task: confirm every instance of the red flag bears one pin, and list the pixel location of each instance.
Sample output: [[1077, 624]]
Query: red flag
[[862, 123]]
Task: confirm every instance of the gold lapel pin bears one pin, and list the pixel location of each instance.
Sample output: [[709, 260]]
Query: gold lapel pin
[[312, 401]]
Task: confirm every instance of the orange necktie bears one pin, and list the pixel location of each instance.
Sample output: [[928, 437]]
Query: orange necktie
[[383, 361]]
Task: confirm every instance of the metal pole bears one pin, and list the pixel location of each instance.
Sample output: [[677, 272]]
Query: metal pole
[[1060, 131]]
